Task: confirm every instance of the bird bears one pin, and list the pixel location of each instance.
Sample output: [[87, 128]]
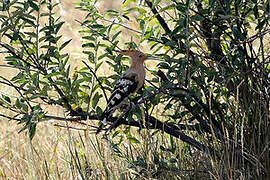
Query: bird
[[129, 83]]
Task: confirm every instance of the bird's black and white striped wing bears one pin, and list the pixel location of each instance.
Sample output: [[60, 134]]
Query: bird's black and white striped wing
[[124, 87]]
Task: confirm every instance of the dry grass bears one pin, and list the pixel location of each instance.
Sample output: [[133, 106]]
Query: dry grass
[[48, 155]]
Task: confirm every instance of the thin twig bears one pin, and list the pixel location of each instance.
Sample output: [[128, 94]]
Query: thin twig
[[18, 67], [9, 117], [73, 128], [128, 28], [256, 36], [75, 119], [11, 51], [133, 30], [102, 87]]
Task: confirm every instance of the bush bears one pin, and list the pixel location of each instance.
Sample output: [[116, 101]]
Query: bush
[[211, 90]]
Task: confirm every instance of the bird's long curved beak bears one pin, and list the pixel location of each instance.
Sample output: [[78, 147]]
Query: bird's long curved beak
[[154, 58]]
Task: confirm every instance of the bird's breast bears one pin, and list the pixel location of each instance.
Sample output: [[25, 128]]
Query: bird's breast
[[141, 78]]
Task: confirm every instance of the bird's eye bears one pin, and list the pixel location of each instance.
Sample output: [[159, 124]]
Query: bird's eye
[[140, 56]]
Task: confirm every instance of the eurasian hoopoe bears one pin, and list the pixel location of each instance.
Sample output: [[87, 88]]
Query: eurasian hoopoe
[[130, 82]]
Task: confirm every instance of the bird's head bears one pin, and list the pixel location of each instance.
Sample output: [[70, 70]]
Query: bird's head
[[135, 55], [138, 56]]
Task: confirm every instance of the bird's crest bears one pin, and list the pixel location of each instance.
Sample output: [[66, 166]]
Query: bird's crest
[[135, 55]]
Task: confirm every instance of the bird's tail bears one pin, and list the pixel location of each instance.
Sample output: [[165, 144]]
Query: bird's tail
[[101, 126], [103, 119]]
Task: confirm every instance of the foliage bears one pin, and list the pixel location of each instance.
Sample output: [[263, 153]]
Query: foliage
[[212, 83]]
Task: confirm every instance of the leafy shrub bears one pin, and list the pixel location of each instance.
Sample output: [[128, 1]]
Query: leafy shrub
[[212, 84]]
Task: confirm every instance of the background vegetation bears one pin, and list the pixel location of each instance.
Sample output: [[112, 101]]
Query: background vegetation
[[203, 113]]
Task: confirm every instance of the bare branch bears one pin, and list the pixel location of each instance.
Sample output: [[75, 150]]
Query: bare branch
[[101, 86], [168, 31], [9, 117]]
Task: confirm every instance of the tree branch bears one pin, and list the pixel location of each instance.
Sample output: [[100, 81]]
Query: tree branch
[[151, 123], [102, 88], [168, 31]]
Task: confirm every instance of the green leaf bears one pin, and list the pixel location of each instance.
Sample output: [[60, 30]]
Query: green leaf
[[28, 21], [3, 16], [33, 5], [181, 7], [98, 65], [6, 98], [88, 45], [115, 36], [256, 12], [169, 7], [20, 75], [97, 26], [156, 2], [95, 100], [127, 3], [58, 27], [32, 130], [112, 12], [52, 74], [109, 51], [24, 107], [46, 14], [126, 17], [6, 28], [91, 38], [141, 10], [30, 90], [17, 104], [133, 140], [162, 148], [196, 17], [31, 34], [99, 110], [115, 133], [60, 83], [34, 96], [65, 44], [5, 5], [261, 24]]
